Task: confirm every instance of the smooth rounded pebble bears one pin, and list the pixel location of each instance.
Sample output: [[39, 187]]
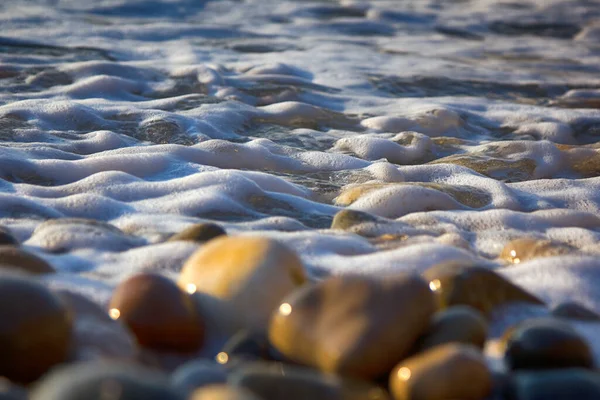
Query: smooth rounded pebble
[[275, 381], [158, 312], [223, 392], [6, 238], [451, 371], [576, 311], [199, 233], [35, 329], [523, 249], [103, 381], [478, 287], [197, 374], [346, 219], [560, 384], [15, 258], [458, 324], [250, 274], [352, 325], [546, 343]]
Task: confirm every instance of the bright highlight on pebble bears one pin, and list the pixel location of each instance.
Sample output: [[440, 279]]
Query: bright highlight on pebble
[[114, 313], [222, 358], [285, 309], [404, 373], [435, 285], [191, 288]]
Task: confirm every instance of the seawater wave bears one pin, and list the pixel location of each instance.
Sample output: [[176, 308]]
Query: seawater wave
[[459, 126]]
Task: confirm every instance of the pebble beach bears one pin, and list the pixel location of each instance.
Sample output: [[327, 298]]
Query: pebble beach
[[288, 200]]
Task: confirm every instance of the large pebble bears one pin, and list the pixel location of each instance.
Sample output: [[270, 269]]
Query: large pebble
[[353, 325], [275, 381], [15, 258], [250, 274], [199, 233], [452, 371], [158, 312], [35, 329], [458, 324], [103, 381], [473, 286], [563, 384], [223, 392], [546, 343]]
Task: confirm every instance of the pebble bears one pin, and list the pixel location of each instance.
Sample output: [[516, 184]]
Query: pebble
[[237, 270], [15, 258], [458, 324], [346, 219], [546, 343], [573, 310], [478, 287], [223, 392], [35, 329], [451, 371], [276, 381], [523, 249], [246, 345], [197, 374], [199, 233], [103, 381], [6, 238], [351, 325], [158, 312], [563, 384]]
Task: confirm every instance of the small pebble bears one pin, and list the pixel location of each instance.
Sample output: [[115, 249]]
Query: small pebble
[[103, 381], [523, 249], [451, 371], [223, 392], [35, 329], [276, 381], [576, 311], [478, 287], [346, 219], [560, 384], [158, 312], [15, 258], [199, 233], [352, 325], [238, 271], [546, 343], [458, 324]]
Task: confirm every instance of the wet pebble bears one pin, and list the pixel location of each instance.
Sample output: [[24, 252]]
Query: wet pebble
[[237, 270], [478, 287], [199, 233], [223, 392], [246, 345], [546, 343], [523, 249], [158, 312], [275, 381], [346, 219], [103, 381], [458, 324], [35, 329], [352, 325], [15, 258], [452, 371], [576, 311], [563, 384]]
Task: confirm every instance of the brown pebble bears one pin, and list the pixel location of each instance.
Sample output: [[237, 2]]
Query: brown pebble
[[35, 329], [199, 233], [573, 310], [15, 258], [458, 324], [478, 287], [222, 392], [352, 325], [251, 275], [158, 312], [451, 371], [523, 249]]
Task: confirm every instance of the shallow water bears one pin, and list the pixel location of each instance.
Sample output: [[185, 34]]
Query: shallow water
[[463, 125]]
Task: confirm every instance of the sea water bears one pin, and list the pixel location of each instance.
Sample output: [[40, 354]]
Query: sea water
[[460, 125]]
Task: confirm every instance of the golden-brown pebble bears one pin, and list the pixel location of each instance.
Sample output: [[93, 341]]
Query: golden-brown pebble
[[352, 325], [573, 310], [35, 329], [275, 381], [222, 392], [199, 233], [250, 274], [460, 324], [523, 249], [158, 312], [478, 287], [451, 371], [15, 258]]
